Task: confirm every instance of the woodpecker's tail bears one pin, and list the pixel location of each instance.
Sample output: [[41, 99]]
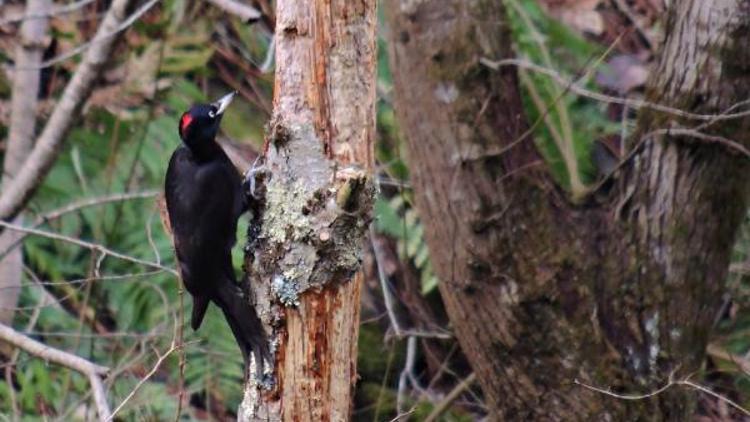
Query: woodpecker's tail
[[245, 324]]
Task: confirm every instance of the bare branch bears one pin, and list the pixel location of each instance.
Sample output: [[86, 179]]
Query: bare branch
[[98, 38], [76, 206], [267, 64], [671, 382], [15, 196], [388, 298], [90, 202], [93, 371], [383, 278], [661, 389], [88, 279], [244, 11], [62, 10], [717, 352], [625, 9], [633, 103], [451, 397], [143, 380], [89, 245], [692, 133]]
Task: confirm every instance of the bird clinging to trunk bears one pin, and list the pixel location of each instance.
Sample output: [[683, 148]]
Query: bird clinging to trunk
[[205, 198]]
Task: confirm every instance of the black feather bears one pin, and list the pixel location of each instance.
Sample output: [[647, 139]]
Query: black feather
[[205, 199]]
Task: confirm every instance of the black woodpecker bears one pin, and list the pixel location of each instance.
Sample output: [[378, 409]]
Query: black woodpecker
[[205, 199]]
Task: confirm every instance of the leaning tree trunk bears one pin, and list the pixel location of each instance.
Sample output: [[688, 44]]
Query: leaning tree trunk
[[619, 291], [305, 243]]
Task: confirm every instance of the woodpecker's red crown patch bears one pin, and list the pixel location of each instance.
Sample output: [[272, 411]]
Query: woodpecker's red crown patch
[[185, 122]]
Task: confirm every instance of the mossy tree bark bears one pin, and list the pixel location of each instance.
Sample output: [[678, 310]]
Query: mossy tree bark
[[619, 290], [305, 243]]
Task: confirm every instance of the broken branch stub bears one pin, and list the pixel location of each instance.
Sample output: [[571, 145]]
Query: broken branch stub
[[308, 231]]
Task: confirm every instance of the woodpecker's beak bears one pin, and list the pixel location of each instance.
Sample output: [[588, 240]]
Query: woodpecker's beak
[[222, 103]]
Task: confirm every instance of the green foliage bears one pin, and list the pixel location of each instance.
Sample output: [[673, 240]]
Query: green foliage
[[400, 221], [546, 42], [116, 150]]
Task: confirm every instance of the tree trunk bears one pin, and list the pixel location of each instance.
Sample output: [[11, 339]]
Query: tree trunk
[[20, 141], [619, 290], [305, 242]]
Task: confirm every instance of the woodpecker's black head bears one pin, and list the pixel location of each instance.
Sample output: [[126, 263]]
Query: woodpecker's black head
[[198, 126]]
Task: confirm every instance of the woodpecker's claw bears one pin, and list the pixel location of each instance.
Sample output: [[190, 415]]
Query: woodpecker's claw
[[250, 182]]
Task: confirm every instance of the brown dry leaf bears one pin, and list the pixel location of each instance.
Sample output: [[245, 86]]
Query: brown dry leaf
[[580, 15], [623, 73]]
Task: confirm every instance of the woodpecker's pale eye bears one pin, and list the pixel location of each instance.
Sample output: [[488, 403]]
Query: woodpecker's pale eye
[[211, 114]]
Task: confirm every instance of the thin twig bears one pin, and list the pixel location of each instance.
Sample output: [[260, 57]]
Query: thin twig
[[89, 245], [719, 353], [180, 341], [90, 202], [404, 378], [76, 206], [451, 397], [564, 137], [88, 279], [91, 370], [383, 278], [671, 383], [633, 103], [625, 9], [692, 133], [143, 380], [150, 236], [661, 389], [98, 38], [267, 64], [388, 298]]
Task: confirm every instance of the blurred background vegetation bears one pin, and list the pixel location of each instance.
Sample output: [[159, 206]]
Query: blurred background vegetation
[[122, 315]]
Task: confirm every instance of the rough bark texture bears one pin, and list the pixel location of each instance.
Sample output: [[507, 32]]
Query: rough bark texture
[[20, 141], [618, 292], [305, 243]]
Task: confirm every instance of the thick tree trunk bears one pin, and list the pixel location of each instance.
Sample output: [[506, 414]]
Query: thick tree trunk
[[620, 291], [305, 244]]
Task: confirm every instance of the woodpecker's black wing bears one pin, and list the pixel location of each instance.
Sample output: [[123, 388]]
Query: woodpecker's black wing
[[202, 201]]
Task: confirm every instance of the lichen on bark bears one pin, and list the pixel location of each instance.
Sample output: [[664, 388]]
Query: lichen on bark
[[314, 237]]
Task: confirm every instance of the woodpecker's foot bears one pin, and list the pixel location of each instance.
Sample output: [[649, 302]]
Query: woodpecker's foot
[[251, 177]]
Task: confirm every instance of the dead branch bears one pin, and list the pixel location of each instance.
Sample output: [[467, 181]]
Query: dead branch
[[451, 397], [577, 89], [45, 13], [670, 383], [15, 196], [76, 206], [98, 38], [143, 380], [101, 249], [92, 371], [244, 11]]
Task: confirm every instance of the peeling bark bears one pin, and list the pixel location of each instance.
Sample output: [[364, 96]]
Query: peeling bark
[[305, 242], [619, 291]]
